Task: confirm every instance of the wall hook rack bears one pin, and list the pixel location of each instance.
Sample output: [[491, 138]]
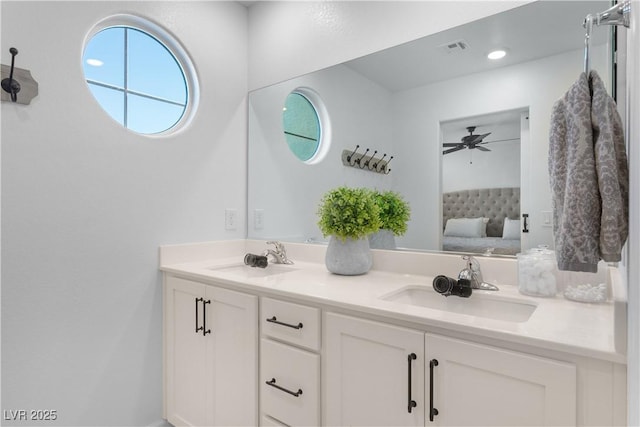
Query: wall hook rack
[[366, 161], [17, 81]]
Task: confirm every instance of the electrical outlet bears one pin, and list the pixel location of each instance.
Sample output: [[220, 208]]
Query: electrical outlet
[[258, 219], [230, 219]]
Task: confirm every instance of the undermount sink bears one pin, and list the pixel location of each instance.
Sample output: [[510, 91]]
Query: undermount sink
[[489, 306], [246, 271]]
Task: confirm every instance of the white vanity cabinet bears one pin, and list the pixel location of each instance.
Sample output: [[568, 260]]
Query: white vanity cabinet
[[289, 363], [370, 374], [478, 385], [371, 379], [211, 343]]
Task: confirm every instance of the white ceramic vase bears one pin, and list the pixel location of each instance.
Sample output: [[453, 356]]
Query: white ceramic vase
[[350, 257], [382, 239]]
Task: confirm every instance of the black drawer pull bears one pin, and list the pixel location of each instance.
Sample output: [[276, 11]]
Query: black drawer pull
[[198, 328], [412, 403], [288, 325], [205, 331], [272, 383], [432, 411]]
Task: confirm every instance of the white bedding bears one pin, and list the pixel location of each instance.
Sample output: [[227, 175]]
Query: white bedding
[[481, 244]]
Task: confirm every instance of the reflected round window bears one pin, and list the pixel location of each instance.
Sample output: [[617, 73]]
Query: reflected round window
[[305, 125]]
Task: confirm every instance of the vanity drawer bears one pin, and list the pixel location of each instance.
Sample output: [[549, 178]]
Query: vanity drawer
[[293, 323], [294, 397]]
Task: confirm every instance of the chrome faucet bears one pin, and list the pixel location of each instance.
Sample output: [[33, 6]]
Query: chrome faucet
[[473, 274], [279, 255]]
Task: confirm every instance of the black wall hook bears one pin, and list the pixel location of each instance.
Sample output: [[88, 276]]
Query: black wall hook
[[10, 85]]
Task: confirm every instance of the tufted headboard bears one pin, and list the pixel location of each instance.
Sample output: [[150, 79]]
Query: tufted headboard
[[492, 203]]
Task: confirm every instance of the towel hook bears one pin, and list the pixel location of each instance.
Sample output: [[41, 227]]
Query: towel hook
[[387, 171], [368, 162], [10, 85], [360, 159], [351, 155]]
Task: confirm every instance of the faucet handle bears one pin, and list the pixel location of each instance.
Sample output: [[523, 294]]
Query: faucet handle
[[472, 263], [472, 272], [279, 246]]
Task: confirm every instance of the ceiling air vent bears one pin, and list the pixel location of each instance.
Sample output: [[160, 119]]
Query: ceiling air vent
[[457, 46]]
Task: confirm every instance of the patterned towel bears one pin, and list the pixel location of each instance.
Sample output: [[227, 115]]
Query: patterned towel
[[612, 169], [589, 177]]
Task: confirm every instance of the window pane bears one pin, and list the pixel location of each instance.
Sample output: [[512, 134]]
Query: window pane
[[105, 48], [301, 126], [150, 116], [153, 70], [112, 101]]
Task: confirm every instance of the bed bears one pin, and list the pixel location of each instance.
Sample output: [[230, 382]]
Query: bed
[[498, 209]]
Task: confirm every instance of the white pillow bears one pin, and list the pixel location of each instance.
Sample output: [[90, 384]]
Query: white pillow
[[484, 227], [511, 229], [464, 227]]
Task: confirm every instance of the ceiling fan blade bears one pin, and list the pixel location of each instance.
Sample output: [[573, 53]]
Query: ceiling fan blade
[[451, 144], [452, 150], [482, 148], [500, 140]]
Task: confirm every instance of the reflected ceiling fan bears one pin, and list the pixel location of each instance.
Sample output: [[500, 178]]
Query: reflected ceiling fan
[[470, 141]]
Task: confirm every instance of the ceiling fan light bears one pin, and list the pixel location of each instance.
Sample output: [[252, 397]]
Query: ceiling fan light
[[497, 54]]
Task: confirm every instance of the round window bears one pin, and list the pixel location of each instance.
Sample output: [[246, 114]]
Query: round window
[[139, 75], [305, 125]]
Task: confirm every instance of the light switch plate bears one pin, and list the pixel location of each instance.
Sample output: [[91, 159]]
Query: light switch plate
[[258, 219], [230, 219]]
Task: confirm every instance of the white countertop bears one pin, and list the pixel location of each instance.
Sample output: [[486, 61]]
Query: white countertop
[[556, 324]]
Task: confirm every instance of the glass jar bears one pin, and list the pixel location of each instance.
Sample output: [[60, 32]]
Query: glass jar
[[537, 272], [585, 287]]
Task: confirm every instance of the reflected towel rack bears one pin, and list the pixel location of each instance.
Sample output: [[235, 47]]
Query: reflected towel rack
[[616, 15], [367, 162]]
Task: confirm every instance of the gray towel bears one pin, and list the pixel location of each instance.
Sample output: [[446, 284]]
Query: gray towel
[[589, 177], [612, 169]]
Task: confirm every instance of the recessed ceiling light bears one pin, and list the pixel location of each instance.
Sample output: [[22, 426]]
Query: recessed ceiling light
[[95, 62], [497, 54]]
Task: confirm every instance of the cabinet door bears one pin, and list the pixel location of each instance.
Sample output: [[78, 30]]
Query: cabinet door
[[232, 356], [477, 385], [366, 377], [185, 363]]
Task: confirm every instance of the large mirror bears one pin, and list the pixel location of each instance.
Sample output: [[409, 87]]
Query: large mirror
[[420, 102]]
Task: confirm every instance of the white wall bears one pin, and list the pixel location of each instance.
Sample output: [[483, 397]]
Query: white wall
[[85, 205]]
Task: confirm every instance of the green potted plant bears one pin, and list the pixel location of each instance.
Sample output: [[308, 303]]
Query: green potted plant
[[348, 215], [394, 214]]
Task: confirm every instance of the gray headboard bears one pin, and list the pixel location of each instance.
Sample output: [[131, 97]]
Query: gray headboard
[[492, 203]]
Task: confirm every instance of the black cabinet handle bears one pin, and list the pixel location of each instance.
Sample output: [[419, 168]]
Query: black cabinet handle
[[432, 411], [205, 331], [525, 217], [412, 403], [288, 325], [272, 383], [198, 328]]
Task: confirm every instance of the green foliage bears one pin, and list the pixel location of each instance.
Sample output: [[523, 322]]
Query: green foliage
[[348, 212], [394, 212]]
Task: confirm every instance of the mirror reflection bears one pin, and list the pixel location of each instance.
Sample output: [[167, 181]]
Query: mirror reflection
[[481, 182], [419, 100]]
